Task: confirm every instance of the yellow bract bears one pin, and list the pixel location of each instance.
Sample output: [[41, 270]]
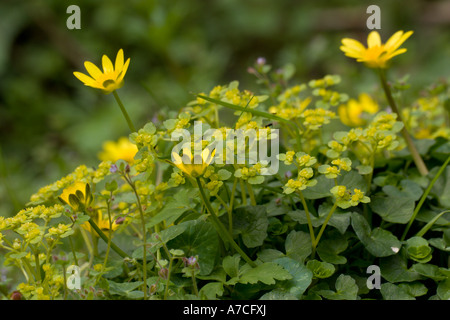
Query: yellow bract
[[110, 79], [188, 164], [123, 149], [377, 54], [351, 113]]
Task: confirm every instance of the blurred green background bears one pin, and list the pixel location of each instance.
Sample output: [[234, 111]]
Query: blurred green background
[[50, 122]]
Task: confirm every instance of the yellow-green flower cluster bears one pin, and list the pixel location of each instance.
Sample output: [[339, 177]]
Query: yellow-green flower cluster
[[61, 231], [427, 118], [290, 104], [81, 173], [331, 172], [345, 198], [302, 182], [316, 118], [252, 174], [380, 134]]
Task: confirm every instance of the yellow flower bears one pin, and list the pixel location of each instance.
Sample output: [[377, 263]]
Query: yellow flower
[[110, 79], [102, 222], [77, 186], [123, 149], [377, 54], [351, 113], [193, 166]]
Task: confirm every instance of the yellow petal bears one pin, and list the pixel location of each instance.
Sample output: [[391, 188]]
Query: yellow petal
[[93, 70], [395, 53], [373, 40], [397, 40], [351, 45], [121, 73], [119, 61], [177, 159], [88, 81], [107, 64]]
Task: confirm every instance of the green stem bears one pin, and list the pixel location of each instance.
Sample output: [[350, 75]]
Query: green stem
[[166, 290], [308, 217], [124, 112], [322, 229], [410, 143], [223, 232], [424, 196], [230, 207], [144, 236], [194, 284], [108, 205], [100, 233], [243, 193], [251, 193], [73, 251]]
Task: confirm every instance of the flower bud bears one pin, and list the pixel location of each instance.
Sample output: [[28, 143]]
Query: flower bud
[[16, 295]]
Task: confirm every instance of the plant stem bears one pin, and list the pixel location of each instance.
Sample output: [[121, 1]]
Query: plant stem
[[230, 207], [410, 143], [144, 236], [322, 229], [73, 250], [424, 196], [251, 193], [308, 217], [221, 230], [119, 251], [243, 193], [124, 112], [108, 205]]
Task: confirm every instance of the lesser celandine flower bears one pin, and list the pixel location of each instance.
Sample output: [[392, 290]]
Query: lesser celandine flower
[[123, 149], [377, 54], [190, 164], [108, 80], [352, 112]]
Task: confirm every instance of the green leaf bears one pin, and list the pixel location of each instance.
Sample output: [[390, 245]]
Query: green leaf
[[278, 294], [251, 223], [174, 208], [443, 289], [298, 245], [418, 249], [211, 291], [394, 269], [441, 188], [266, 273], [364, 169], [346, 289], [379, 242], [268, 255], [329, 249], [320, 190], [416, 289], [393, 209], [429, 270], [123, 288], [231, 265], [408, 189], [390, 291], [339, 220], [320, 270], [224, 174], [301, 276], [199, 239]]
